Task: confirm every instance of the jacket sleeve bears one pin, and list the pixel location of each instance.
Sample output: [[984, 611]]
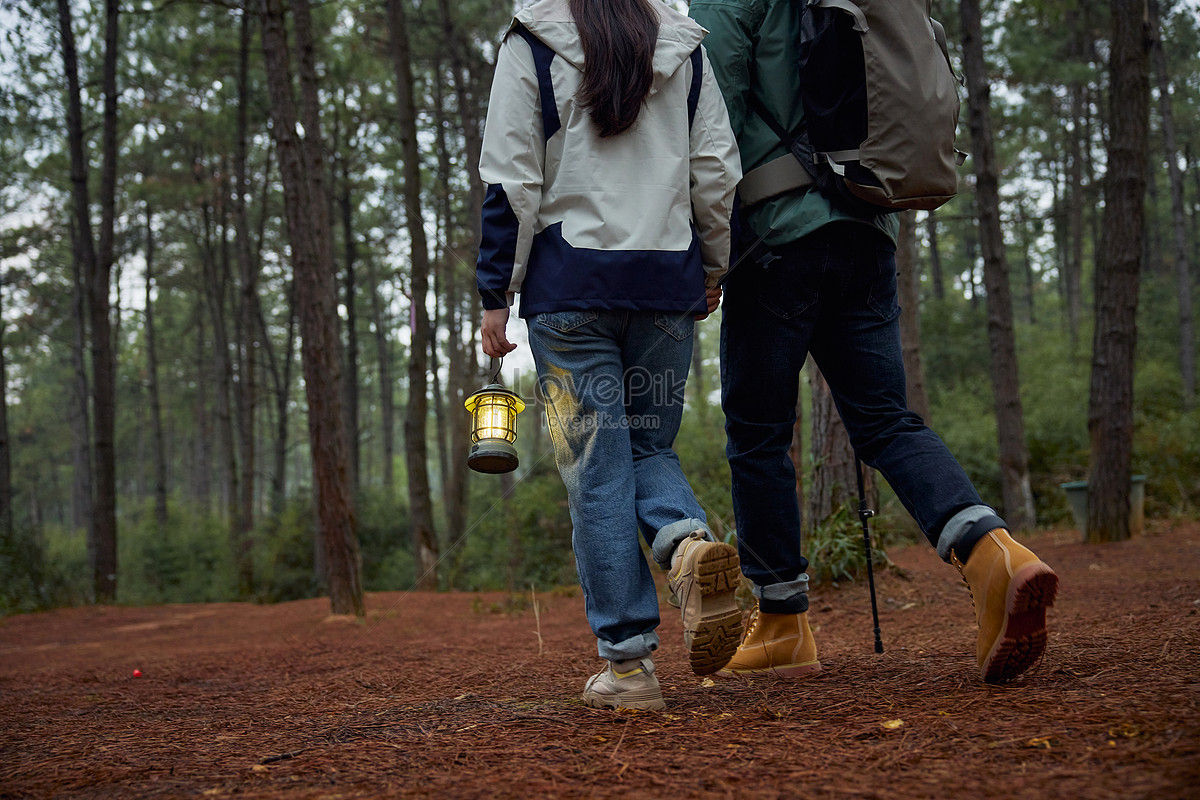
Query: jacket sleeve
[[716, 169], [732, 26], [511, 165]]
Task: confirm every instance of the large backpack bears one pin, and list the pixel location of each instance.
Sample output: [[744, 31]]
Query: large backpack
[[880, 108]]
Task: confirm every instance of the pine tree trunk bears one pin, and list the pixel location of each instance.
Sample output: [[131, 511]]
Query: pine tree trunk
[[459, 281], [202, 450], [215, 280], [159, 456], [1076, 144], [424, 539], [281, 376], [81, 417], [1183, 270], [935, 256], [834, 480], [910, 315], [6, 486], [1010, 420], [445, 254], [1110, 407], [96, 261], [387, 389], [249, 342], [349, 298], [307, 210]]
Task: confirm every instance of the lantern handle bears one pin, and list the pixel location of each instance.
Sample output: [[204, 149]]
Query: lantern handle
[[499, 362]]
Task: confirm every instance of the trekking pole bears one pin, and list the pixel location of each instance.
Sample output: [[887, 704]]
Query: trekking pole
[[865, 514]]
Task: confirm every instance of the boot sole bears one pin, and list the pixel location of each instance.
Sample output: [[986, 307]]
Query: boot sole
[[716, 634], [790, 671], [1023, 636]]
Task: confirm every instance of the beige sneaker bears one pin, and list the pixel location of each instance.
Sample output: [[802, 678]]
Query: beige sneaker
[[778, 644], [634, 687], [1011, 588], [704, 577]]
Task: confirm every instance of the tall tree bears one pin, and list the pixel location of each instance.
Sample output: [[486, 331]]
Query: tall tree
[[935, 256], [1183, 270], [834, 483], [248, 314], [82, 494], [424, 538], [910, 315], [1010, 418], [96, 259], [215, 279], [298, 142], [6, 485], [387, 391], [159, 450], [1110, 404], [1077, 20]]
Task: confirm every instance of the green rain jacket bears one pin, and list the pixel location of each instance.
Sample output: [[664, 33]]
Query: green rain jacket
[[751, 44]]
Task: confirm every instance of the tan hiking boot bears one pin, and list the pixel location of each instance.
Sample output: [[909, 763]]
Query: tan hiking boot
[[625, 684], [704, 577], [1011, 588], [779, 644]]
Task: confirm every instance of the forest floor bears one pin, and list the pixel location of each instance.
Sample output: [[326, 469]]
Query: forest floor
[[460, 695]]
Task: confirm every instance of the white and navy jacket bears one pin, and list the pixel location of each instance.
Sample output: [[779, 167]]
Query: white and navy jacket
[[636, 221]]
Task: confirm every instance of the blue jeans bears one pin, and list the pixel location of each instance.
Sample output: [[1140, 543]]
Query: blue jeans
[[613, 384], [832, 294]]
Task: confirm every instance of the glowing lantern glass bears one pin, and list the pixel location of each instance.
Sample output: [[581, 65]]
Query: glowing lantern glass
[[494, 412]]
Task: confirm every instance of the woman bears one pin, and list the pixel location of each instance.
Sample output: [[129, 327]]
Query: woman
[[610, 171]]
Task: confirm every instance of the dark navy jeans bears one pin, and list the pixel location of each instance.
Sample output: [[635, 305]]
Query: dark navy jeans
[[832, 295]]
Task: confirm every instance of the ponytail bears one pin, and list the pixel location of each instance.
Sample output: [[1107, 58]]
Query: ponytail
[[618, 38]]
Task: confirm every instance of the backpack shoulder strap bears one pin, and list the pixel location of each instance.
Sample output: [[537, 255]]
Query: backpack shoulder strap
[[693, 100], [542, 56]]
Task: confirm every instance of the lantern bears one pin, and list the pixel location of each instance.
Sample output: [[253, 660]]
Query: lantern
[[494, 412]]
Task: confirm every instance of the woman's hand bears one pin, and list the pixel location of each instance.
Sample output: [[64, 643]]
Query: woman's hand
[[495, 339], [713, 296]]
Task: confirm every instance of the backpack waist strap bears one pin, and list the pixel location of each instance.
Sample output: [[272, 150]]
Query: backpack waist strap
[[773, 178]]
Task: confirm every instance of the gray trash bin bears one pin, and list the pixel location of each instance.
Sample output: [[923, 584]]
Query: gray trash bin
[[1077, 497]]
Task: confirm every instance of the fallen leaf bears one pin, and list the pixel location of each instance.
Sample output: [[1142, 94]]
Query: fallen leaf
[[892, 724], [708, 683]]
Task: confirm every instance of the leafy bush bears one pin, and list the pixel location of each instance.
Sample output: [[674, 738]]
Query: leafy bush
[[385, 544], [284, 562], [188, 561], [523, 540]]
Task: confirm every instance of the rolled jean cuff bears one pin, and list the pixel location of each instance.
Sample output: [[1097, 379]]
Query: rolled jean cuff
[[671, 535], [783, 598], [634, 647], [959, 534]]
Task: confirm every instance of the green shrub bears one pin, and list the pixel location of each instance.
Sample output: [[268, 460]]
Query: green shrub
[[187, 561], [284, 563], [385, 543]]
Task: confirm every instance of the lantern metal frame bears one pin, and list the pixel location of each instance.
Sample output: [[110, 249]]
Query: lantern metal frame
[[494, 411]]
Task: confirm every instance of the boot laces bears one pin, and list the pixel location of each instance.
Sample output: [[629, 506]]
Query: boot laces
[[959, 565], [751, 625]]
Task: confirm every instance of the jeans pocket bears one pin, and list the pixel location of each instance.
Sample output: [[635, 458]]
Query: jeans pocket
[[884, 297], [781, 288], [567, 321], [677, 326]]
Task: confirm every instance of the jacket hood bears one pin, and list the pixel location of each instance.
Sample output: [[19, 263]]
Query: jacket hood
[[551, 21]]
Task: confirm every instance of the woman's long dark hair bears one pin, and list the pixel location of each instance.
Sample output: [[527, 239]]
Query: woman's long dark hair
[[618, 38]]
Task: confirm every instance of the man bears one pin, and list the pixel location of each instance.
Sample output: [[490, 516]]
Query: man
[[819, 279]]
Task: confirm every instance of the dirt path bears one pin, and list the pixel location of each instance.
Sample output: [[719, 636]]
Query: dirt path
[[447, 696]]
